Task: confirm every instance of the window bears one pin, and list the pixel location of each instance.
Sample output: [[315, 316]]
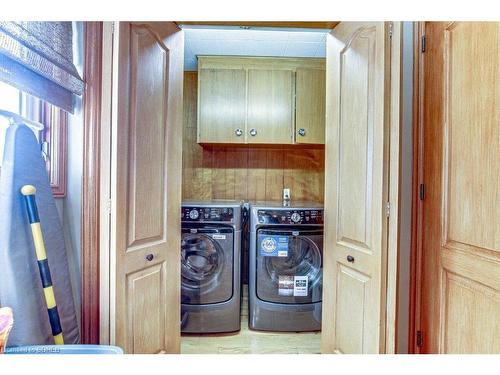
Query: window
[[9, 101], [52, 138]]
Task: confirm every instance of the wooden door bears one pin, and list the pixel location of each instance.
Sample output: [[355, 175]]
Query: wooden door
[[310, 106], [146, 187], [460, 281], [222, 105], [270, 106], [356, 188]]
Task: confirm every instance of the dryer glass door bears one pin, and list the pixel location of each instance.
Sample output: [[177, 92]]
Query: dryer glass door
[[206, 265], [289, 265]]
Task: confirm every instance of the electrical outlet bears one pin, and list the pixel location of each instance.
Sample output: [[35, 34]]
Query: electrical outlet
[[286, 194]]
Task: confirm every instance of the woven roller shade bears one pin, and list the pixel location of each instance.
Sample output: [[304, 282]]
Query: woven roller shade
[[37, 57]]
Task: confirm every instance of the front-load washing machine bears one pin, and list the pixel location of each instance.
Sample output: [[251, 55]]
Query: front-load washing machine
[[286, 267], [210, 266]]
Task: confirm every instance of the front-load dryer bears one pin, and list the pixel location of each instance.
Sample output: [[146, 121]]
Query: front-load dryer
[[210, 266], [286, 267]]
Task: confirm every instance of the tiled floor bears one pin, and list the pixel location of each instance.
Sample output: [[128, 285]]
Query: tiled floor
[[247, 341]]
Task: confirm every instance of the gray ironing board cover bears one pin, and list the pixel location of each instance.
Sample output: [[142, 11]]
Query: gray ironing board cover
[[20, 285]]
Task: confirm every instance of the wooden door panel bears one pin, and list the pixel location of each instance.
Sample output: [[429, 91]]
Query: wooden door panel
[[470, 304], [355, 154], [356, 189], [270, 106], [222, 105], [310, 105], [472, 118], [146, 291], [461, 237], [147, 103], [145, 187], [352, 285]]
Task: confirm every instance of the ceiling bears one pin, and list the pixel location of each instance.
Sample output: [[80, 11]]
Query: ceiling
[[237, 41]]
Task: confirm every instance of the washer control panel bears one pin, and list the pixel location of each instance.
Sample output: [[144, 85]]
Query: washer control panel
[[193, 214], [290, 216]]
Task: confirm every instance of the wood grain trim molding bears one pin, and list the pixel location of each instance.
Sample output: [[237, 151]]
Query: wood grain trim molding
[[90, 184], [416, 219]]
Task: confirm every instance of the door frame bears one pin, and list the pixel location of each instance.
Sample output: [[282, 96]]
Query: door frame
[[95, 213], [394, 187], [95, 206], [414, 326], [90, 205]]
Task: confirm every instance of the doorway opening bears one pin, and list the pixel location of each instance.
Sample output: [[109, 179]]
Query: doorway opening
[[251, 172], [247, 169]]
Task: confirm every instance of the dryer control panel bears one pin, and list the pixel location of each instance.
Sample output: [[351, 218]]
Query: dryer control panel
[[291, 217], [195, 214]]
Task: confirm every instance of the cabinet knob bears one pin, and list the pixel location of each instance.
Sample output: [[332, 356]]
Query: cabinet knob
[[350, 259], [238, 132], [302, 132], [253, 132], [149, 257]]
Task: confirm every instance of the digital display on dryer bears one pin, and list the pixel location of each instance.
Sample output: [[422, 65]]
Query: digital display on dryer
[[201, 214], [290, 217]]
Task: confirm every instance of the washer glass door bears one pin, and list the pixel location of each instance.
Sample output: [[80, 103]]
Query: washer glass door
[[289, 265], [206, 265]]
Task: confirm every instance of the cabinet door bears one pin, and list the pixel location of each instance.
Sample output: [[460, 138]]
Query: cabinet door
[[310, 106], [221, 101], [270, 106]]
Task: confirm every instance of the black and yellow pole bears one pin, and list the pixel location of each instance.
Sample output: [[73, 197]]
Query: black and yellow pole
[[43, 266]]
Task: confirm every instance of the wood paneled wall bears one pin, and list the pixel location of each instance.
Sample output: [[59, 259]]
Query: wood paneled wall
[[249, 173]]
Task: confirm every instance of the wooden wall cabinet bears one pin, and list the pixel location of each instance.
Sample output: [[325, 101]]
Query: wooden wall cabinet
[[270, 106], [310, 90], [261, 100], [222, 103]]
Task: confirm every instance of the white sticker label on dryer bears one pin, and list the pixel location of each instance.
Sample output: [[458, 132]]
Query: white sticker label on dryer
[[286, 284], [300, 286], [219, 236]]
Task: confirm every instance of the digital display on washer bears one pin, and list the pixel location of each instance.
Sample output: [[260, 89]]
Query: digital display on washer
[[290, 217], [201, 214]]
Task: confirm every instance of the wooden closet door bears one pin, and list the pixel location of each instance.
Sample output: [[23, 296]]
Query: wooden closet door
[[356, 189], [146, 187], [270, 106], [460, 279]]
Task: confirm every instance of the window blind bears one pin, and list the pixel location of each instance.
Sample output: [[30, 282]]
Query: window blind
[[37, 57]]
